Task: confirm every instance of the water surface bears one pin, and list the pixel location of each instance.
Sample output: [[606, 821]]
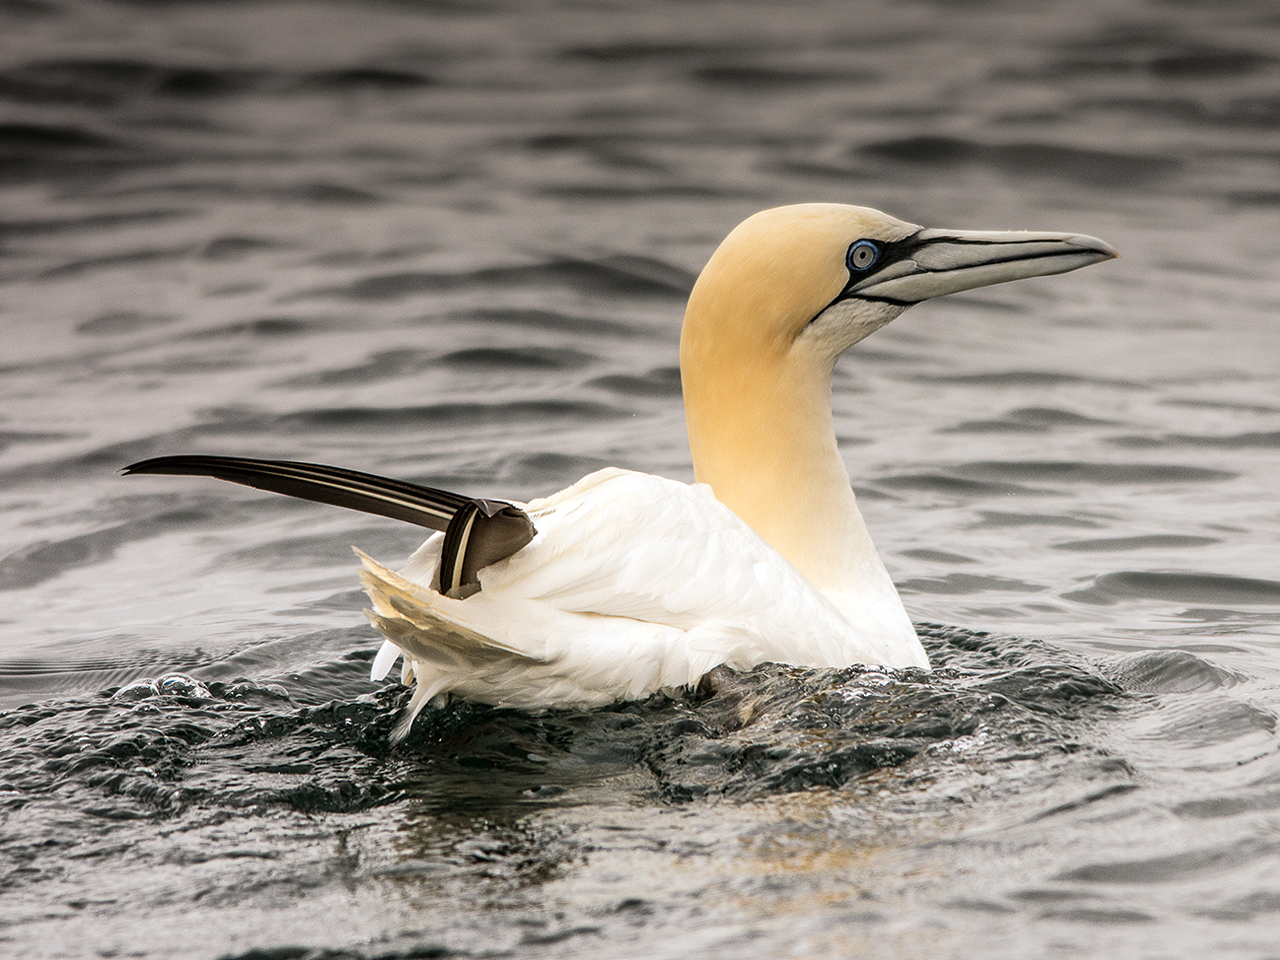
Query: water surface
[[451, 243]]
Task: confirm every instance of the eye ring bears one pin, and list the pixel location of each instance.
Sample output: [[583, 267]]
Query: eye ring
[[862, 256]]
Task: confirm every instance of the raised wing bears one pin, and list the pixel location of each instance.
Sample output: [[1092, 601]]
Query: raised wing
[[477, 532]]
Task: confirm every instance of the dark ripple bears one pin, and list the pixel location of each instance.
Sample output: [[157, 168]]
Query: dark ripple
[[757, 78], [1099, 473], [633, 51], [391, 364], [997, 519], [88, 222], [1192, 588], [1179, 867], [551, 467], [1216, 722], [1247, 112], [1077, 164], [34, 563], [235, 246], [1261, 439], [951, 485], [1167, 541], [1022, 378], [966, 583], [1028, 420], [1136, 52], [257, 327], [51, 149], [618, 276], [535, 320], [938, 556], [125, 321], [9, 438], [367, 78], [103, 82], [106, 82], [658, 382], [1261, 798], [443, 415], [517, 358], [130, 258], [33, 140]]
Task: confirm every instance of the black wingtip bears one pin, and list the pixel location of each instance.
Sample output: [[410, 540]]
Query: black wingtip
[[477, 532], [186, 465]]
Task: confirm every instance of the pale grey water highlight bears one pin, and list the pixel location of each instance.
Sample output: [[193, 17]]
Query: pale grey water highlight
[[451, 243]]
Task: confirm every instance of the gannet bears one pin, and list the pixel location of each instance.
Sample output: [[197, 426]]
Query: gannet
[[625, 583]]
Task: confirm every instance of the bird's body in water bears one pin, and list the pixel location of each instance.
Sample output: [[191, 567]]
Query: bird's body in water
[[627, 583]]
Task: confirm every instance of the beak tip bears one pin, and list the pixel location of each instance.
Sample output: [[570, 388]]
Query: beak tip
[[1104, 250]]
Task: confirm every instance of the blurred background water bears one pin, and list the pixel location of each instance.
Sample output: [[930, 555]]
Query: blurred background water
[[450, 242]]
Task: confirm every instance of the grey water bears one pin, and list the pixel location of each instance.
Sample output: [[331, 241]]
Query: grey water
[[450, 242]]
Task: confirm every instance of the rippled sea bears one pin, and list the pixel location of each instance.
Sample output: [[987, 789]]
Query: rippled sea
[[450, 242]]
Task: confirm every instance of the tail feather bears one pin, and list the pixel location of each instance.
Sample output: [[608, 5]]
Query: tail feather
[[437, 652], [405, 613]]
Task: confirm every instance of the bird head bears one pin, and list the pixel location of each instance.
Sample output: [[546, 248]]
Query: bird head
[[832, 274]]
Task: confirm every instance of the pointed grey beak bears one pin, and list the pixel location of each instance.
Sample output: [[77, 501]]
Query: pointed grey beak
[[933, 263]]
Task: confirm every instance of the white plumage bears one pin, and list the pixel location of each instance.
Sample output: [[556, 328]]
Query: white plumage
[[633, 583]]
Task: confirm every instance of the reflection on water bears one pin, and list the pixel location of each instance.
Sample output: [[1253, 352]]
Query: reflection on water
[[452, 243]]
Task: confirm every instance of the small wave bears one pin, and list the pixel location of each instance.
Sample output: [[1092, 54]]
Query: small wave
[[366, 78], [9, 438], [535, 320], [43, 560], [443, 414], [516, 358], [952, 485], [1000, 518], [1022, 378], [759, 78], [1171, 671], [1067, 471], [966, 583], [1166, 541], [641, 51], [1055, 161], [1175, 868], [1176, 587], [391, 364], [89, 221], [1028, 420], [125, 321], [628, 277], [129, 258], [101, 82], [32, 140], [1168, 58], [1257, 439], [658, 382]]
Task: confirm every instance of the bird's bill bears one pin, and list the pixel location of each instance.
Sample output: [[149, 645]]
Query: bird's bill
[[949, 261]]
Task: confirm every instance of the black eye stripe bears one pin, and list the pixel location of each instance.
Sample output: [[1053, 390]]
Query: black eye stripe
[[890, 251]]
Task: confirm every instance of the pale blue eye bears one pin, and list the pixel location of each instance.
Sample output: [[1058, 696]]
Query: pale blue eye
[[862, 256]]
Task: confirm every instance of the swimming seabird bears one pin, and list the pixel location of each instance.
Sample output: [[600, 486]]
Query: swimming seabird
[[627, 583]]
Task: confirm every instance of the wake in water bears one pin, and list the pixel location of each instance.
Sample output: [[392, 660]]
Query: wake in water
[[775, 729]]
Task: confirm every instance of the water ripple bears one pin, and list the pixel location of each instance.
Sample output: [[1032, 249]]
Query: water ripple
[[1192, 588]]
